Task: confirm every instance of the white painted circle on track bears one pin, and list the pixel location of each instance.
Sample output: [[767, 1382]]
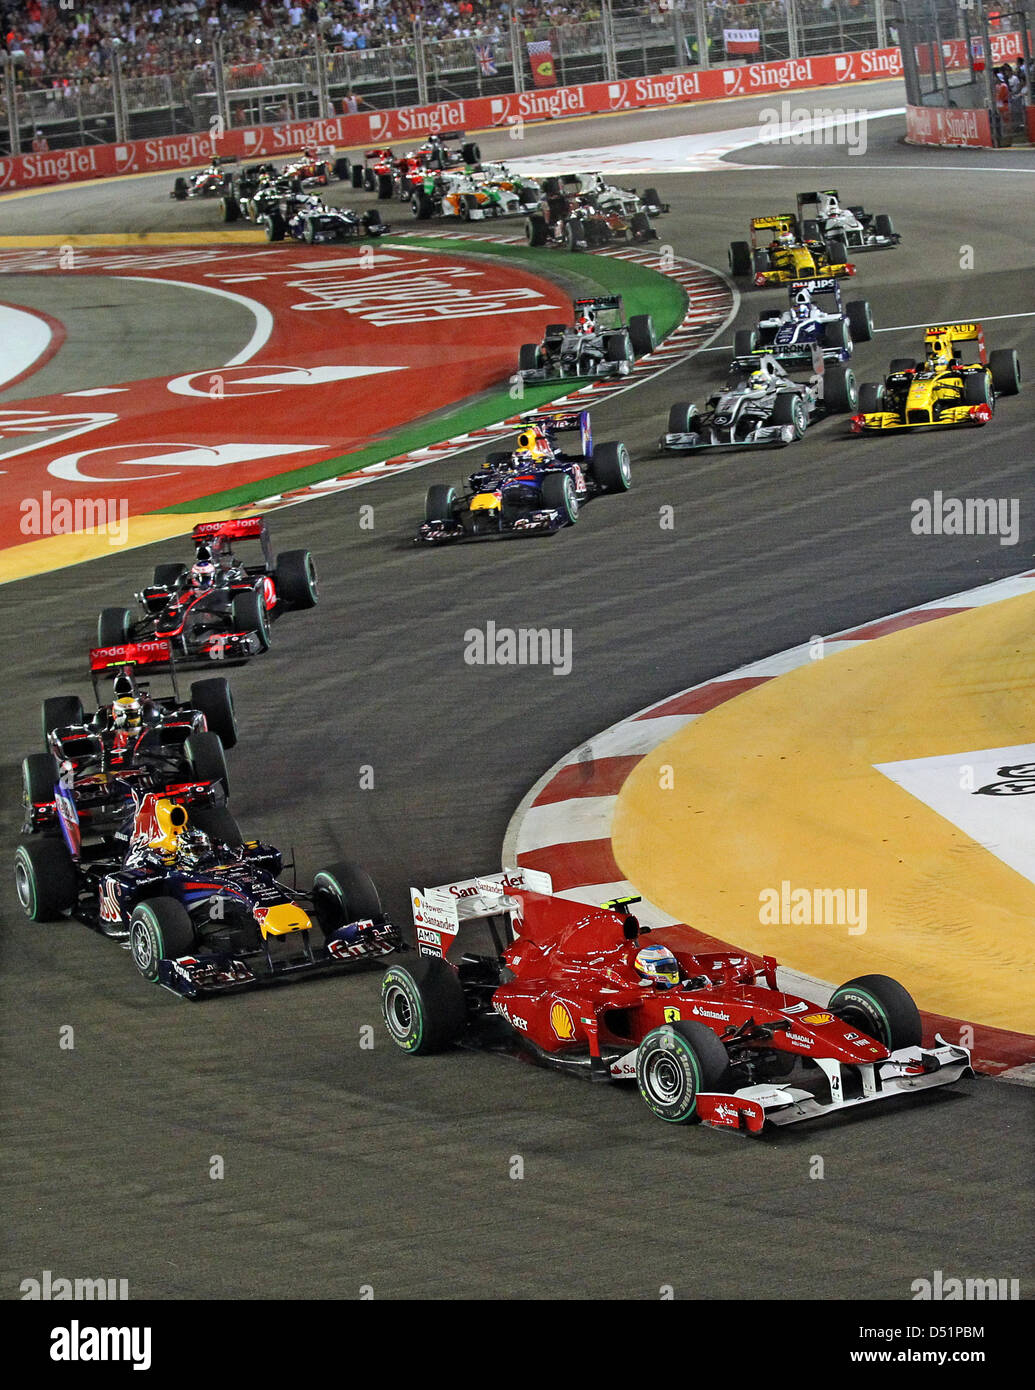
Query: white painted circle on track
[[263, 317], [24, 338]]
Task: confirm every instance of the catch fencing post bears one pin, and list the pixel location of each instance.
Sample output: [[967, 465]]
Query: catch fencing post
[[793, 48], [11, 103], [704, 46]]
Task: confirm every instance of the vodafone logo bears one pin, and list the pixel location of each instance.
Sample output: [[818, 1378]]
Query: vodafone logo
[[732, 80]]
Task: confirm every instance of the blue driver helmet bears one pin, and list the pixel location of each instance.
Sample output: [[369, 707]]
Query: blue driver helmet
[[658, 965]]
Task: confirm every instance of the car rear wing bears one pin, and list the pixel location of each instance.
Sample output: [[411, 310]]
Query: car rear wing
[[785, 221], [221, 534], [957, 333], [440, 912], [804, 199], [109, 662], [561, 421]]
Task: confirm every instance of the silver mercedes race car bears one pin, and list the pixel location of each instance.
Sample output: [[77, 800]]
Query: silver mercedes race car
[[761, 407]]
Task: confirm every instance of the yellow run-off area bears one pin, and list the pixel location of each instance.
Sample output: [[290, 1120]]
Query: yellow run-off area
[[779, 785], [56, 552]]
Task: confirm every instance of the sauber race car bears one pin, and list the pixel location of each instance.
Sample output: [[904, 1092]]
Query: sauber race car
[[580, 211], [782, 254], [599, 342], [132, 741], [706, 1035], [536, 488], [761, 407], [220, 608], [210, 182], [821, 215], [816, 318], [202, 910], [957, 383]]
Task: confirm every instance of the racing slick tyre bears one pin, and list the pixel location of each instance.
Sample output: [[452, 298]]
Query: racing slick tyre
[[159, 929], [651, 197], [114, 627], [674, 1064], [294, 575], [837, 253], [469, 205], [977, 389], [744, 342], [309, 232], [61, 710], [471, 153], [218, 824], [536, 230], [740, 258], [559, 495], [619, 349], [342, 169], [423, 1005], [611, 467], [681, 418], [167, 576], [881, 1008], [44, 878], [871, 397], [900, 364], [206, 759], [356, 175], [369, 180], [810, 230], [840, 390], [275, 227], [883, 225], [761, 262], [216, 702], [642, 335], [180, 190], [229, 208], [639, 226], [575, 235], [440, 503], [39, 778], [860, 320], [385, 186], [421, 206], [789, 409], [1006, 371], [248, 614], [528, 196], [838, 335], [345, 893], [528, 357]]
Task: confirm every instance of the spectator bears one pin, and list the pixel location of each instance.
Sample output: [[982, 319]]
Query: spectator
[[40, 143]]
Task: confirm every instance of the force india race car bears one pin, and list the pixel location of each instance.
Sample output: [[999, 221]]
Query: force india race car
[[793, 334], [599, 343], [705, 1035], [134, 741], [220, 608], [581, 211], [210, 182], [761, 407], [943, 389], [786, 255], [202, 910], [821, 215], [535, 489], [469, 196]]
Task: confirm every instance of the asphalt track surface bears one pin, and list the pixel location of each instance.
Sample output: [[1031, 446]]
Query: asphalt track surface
[[348, 1166]]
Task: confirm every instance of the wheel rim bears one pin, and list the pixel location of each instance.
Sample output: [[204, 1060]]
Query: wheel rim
[[143, 949], [398, 1012], [23, 885], [624, 467], [663, 1078]]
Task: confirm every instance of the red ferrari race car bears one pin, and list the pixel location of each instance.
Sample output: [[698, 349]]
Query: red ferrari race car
[[391, 176], [706, 1035], [220, 608], [313, 166], [136, 741]]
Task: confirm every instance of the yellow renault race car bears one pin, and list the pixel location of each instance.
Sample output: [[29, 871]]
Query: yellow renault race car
[[957, 383], [778, 253]]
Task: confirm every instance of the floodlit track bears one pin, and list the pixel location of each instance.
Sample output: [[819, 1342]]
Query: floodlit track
[[348, 1166]]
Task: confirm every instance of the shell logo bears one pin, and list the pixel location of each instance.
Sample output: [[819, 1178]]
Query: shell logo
[[816, 1019], [561, 1022]]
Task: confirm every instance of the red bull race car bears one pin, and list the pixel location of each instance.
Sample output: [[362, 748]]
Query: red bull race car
[[202, 910], [220, 608], [705, 1035], [957, 383], [133, 740]]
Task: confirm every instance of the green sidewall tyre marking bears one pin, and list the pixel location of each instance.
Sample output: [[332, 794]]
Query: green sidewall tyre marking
[[30, 875], [157, 942], [691, 1056], [878, 1009], [407, 986]]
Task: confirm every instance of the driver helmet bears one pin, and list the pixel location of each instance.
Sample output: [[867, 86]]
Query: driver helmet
[[203, 573], [193, 844], [658, 966], [757, 381], [802, 304], [785, 239], [123, 686], [533, 441], [125, 712], [586, 321]]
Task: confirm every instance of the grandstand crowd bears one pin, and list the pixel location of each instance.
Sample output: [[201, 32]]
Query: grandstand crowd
[[55, 44]]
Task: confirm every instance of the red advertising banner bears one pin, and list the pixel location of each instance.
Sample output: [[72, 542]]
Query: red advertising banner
[[940, 125], [540, 55]]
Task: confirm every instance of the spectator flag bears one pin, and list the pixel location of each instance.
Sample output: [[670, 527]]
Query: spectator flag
[[741, 40], [540, 55], [486, 59]]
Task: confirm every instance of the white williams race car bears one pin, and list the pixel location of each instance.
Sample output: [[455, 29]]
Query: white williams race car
[[763, 408]]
